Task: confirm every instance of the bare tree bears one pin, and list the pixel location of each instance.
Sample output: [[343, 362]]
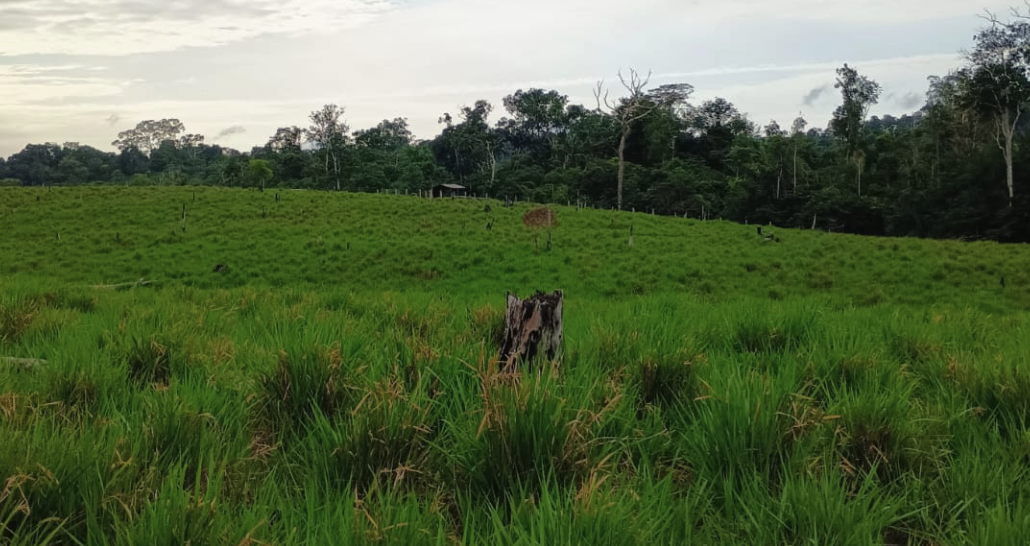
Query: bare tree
[[630, 110]]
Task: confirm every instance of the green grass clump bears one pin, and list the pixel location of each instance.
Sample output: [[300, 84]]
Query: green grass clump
[[335, 383]]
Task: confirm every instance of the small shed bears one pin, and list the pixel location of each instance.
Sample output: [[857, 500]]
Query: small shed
[[449, 190]]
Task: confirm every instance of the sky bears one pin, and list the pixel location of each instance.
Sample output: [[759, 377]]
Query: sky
[[235, 70]]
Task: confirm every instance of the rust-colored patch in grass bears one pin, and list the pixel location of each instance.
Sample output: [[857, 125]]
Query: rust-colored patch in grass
[[541, 218]]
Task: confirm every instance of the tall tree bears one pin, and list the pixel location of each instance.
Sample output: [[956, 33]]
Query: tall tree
[[259, 172], [776, 149], [539, 125], [797, 134], [998, 84], [717, 123], [859, 94], [387, 135], [630, 110], [329, 133], [148, 135], [673, 112], [191, 144], [286, 138], [471, 145], [949, 123]]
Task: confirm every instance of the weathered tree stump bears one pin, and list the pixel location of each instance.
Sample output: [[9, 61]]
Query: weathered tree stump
[[532, 327]]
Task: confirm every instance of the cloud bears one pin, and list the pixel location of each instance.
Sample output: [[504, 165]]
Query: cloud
[[234, 130], [268, 63], [113, 119], [22, 84], [814, 95], [910, 101], [125, 27], [878, 11]]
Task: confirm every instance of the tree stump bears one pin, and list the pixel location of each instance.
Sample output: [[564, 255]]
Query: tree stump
[[532, 327]]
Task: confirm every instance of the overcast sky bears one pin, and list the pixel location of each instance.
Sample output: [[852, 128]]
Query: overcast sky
[[235, 70]]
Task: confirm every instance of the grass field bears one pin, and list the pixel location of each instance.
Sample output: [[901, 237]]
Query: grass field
[[333, 384]]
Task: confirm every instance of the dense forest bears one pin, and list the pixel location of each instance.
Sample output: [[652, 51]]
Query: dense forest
[[957, 167]]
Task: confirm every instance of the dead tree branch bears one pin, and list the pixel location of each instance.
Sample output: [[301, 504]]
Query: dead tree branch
[[141, 282], [26, 363]]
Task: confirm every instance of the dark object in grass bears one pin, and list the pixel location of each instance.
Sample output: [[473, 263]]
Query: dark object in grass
[[759, 231], [487, 208], [532, 327], [777, 238], [221, 268], [1003, 282], [490, 225]]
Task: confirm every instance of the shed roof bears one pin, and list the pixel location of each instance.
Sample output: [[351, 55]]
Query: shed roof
[[451, 186]]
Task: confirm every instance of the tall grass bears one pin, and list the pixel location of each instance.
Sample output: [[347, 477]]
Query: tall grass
[[336, 384]]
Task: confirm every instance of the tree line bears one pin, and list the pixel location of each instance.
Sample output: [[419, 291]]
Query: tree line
[[956, 167]]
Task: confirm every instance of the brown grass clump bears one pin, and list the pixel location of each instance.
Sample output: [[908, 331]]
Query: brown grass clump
[[541, 218]]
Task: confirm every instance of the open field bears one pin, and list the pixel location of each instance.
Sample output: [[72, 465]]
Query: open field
[[332, 385]]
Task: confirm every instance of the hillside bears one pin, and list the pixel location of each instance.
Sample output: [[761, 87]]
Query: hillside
[[333, 385], [98, 235]]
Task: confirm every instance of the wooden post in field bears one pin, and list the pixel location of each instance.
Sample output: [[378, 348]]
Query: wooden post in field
[[184, 217], [532, 328]]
